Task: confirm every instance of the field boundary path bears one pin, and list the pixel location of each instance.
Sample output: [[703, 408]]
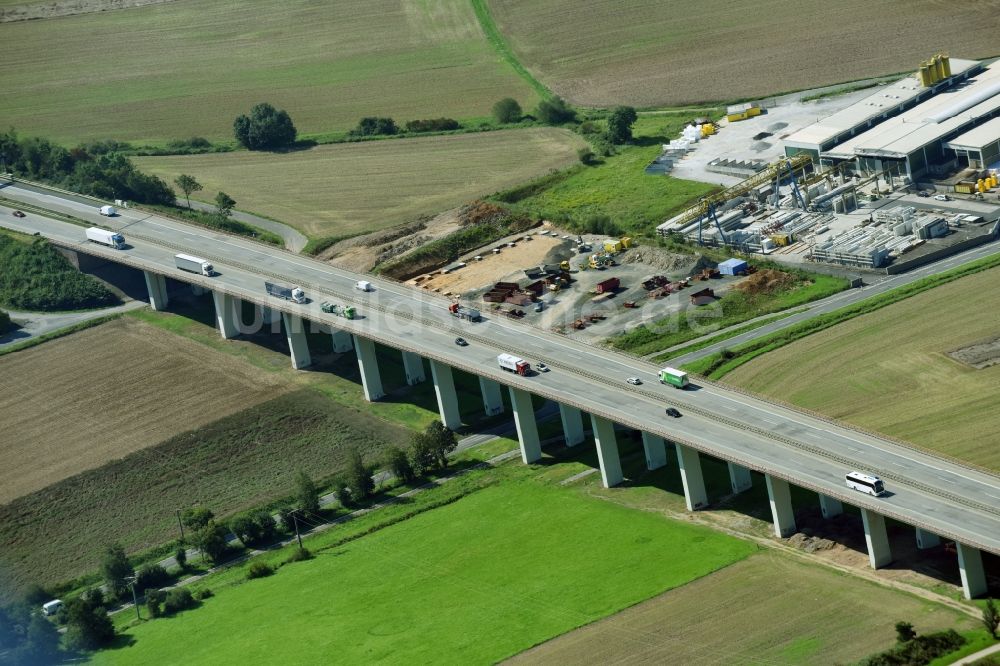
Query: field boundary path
[[825, 305], [33, 324], [976, 656], [294, 239]]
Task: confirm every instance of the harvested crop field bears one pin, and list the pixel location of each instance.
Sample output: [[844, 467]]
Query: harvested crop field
[[361, 187], [177, 69], [704, 622], [75, 403], [891, 371], [605, 52]]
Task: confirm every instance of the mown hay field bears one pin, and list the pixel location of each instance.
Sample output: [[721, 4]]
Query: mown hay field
[[353, 187], [98, 395], [805, 607], [889, 371], [173, 70], [606, 52]]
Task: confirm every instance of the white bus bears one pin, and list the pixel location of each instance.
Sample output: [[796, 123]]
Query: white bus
[[865, 483]]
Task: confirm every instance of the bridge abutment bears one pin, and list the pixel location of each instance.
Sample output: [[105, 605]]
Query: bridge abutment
[[607, 451]]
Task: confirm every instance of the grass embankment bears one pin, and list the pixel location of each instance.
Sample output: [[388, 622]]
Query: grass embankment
[[616, 187], [503, 568], [408, 61], [890, 370], [718, 365], [732, 333], [34, 276], [213, 221], [345, 189], [733, 308]]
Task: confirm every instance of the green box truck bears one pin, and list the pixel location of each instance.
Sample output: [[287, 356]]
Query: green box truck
[[675, 378]]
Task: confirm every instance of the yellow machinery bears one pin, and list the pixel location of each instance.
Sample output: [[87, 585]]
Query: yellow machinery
[[742, 112], [766, 175], [936, 69], [627, 241], [564, 265], [611, 246]]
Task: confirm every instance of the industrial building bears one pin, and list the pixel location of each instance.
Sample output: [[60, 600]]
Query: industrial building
[[914, 128]]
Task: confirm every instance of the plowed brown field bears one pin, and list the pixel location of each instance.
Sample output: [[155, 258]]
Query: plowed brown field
[[78, 402], [607, 52]]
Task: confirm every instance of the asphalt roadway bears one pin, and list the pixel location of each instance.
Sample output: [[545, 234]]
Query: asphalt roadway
[[941, 496]]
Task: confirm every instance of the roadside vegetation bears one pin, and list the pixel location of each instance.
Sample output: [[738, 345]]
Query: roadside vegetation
[[613, 188], [769, 290], [34, 276], [903, 379], [5, 322]]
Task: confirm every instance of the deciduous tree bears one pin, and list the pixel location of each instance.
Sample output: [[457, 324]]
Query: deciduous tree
[[307, 493], [555, 111], [116, 568], [359, 476], [507, 110], [991, 617], [266, 128], [224, 204], [187, 185], [620, 124]]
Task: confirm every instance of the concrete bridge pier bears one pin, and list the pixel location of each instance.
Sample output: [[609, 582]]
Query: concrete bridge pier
[[447, 397], [830, 507], [781, 506], [739, 478], [927, 539], [492, 397], [342, 342], [156, 285], [876, 538], [298, 345], [656, 451], [527, 428], [970, 566], [607, 451], [371, 380], [572, 424], [227, 314], [689, 462], [413, 366]]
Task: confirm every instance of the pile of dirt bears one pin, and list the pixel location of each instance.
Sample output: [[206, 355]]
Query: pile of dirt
[[809, 544], [766, 281], [481, 212], [658, 258]]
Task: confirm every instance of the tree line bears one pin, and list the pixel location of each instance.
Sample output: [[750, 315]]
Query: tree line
[[35, 276]]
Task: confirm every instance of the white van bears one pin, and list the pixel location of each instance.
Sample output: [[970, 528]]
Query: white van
[[364, 285], [52, 607], [108, 211]]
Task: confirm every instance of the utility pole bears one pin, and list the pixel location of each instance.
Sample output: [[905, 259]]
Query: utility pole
[[180, 524], [135, 598], [295, 519]]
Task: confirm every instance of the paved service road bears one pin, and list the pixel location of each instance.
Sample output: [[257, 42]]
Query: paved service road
[[938, 495]]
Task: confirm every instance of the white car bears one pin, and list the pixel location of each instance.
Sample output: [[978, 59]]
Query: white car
[[541, 367], [634, 381], [942, 197]]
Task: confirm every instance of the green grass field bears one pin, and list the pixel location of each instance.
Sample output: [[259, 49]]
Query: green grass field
[[475, 581], [806, 606], [888, 371], [348, 188], [177, 69], [618, 188]]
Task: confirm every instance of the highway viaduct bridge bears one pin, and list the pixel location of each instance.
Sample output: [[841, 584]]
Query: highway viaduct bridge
[[939, 497]]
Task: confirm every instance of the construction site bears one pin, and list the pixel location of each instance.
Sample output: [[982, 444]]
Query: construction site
[[897, 178]]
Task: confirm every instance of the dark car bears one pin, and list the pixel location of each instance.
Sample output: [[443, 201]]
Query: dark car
[[673, 412], [18, 213], [923, 193], [461, 342]]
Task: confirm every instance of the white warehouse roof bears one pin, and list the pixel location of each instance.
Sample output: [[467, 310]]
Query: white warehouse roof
[[976, 139], [928, 122], [885, 99]]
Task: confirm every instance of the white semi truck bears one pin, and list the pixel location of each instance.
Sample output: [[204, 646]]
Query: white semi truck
[[512, 363], [186, 262], [106, 237]]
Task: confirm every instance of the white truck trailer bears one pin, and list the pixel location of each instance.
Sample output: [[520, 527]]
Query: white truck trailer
[[186, 262], [512, 363], [106, 237]]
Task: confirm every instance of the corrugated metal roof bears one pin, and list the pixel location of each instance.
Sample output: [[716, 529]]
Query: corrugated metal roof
[[977, 139]]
